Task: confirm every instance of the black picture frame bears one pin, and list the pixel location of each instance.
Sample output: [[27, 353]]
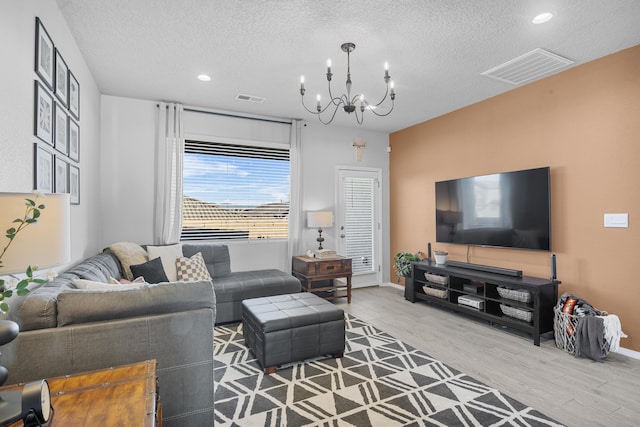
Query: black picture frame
[[45, 51], [62, 79], [43, 179], [74, 140], [43, 114], [74, 96], [61, 172], [74, 184], [61, 130]]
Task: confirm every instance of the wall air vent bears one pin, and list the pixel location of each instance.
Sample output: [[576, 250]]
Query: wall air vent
[[528, 67], [249, 98]]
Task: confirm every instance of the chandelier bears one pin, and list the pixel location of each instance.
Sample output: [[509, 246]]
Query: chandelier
[[350, 104]]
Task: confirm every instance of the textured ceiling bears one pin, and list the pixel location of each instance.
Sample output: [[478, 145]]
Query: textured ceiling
[[154, 49]]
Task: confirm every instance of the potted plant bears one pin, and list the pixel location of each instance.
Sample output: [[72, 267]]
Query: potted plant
[[402, 262]]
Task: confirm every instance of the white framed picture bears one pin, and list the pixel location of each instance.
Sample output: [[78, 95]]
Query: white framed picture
[[43, 170], [61, 138], [43, 114]]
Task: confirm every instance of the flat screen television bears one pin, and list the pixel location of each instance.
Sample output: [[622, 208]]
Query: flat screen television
[[508, 210]]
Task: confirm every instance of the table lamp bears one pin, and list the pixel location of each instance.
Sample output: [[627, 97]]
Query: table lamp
[[45, 243], [319, 219]]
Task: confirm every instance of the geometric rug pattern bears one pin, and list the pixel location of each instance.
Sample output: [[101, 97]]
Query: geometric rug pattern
[[380, 381]]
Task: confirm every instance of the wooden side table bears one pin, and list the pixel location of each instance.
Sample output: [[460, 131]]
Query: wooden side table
[[125, 395], [309, 270]]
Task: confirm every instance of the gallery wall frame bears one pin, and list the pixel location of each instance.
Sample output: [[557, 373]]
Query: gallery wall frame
[[61, 175], [62, 79], [74, 184], [43, 113], [74, 96], [43, 179], [44, 61], [61, 130], [74, 140]]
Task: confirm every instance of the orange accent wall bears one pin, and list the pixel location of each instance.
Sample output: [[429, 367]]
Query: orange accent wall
[[585, 124]]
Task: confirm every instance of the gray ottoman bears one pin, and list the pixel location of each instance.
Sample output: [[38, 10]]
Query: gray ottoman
[[290, 328]]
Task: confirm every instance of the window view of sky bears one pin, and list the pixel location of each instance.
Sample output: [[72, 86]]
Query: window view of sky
[[235, 181]]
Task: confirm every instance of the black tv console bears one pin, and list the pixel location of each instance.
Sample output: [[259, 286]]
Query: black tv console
[[528, 307]]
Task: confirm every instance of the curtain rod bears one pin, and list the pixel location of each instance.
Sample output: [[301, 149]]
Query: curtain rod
[[238, 116]]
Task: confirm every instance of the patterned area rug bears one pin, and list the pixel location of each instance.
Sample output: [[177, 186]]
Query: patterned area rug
[[380, 381]]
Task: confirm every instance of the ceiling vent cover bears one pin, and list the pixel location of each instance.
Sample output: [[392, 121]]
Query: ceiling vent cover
[[528, 67], [250, 98]]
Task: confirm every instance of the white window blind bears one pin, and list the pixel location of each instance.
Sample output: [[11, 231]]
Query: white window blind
[[359, 222], [235, 191]]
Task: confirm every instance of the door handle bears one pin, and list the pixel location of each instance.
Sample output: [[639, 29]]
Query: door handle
[[342, 236]]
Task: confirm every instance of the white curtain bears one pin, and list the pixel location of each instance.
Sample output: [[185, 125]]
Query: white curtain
[[294, 202], [169, 162]]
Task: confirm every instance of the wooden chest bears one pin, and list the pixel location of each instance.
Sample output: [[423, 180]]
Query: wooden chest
[[319, 267]]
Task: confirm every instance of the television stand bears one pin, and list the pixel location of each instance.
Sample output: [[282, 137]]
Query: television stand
[[528, 305]]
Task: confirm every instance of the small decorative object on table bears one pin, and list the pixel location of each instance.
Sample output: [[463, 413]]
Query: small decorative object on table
[[441, 257]]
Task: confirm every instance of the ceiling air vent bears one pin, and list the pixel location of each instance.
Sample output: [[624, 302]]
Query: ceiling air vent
[[249, 98], [528, 67]]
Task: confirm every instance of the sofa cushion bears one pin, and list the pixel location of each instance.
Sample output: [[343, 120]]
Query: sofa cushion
[[152, 271], [168, 254], [216, 257], [82, 306], [190, 269], [98, 268], [252, 284]]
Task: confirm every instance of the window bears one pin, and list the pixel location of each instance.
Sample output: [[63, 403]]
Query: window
[[235, 192]]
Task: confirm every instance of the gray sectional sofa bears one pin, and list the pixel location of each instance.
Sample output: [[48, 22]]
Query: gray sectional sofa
[[66, 330]]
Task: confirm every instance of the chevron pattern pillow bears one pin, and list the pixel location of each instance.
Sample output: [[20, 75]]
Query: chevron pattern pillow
[[192, 269]]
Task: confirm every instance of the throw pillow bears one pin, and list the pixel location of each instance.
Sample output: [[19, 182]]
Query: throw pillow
[[168, 255], [128, 253], [192, 269], [90, 284], [152, 271]]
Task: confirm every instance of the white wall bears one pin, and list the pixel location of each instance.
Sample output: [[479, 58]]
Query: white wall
[[324, 148], [17, 75], [128, 129]]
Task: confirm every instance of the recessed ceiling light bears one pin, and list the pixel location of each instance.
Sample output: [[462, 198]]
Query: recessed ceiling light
[[542, 18], [204, 77]]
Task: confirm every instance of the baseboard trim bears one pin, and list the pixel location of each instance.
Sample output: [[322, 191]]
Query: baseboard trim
[[629, 353], [393, 285]]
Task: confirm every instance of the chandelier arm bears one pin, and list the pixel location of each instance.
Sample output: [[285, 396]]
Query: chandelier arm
[[333, 98], [335, 110], [385, 114], [386, 93], [361, 118], [316, 112]]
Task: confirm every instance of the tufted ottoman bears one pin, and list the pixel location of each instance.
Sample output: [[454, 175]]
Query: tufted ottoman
[[290, 328]]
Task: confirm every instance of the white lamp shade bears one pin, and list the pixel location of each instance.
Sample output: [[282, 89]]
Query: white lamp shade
[[45, 243], [319, 219]]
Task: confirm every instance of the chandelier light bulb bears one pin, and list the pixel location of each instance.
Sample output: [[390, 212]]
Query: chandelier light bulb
[[386, 66], [301, 80]]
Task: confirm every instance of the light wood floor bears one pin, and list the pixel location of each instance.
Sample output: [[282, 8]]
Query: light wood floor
[[576, 392]]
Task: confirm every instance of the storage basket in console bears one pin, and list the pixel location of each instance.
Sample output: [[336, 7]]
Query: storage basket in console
[[515, 294], [517, 313], [435, 292], [434, 278]]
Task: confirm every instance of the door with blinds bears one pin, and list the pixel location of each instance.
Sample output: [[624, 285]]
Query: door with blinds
[[359, 233]]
